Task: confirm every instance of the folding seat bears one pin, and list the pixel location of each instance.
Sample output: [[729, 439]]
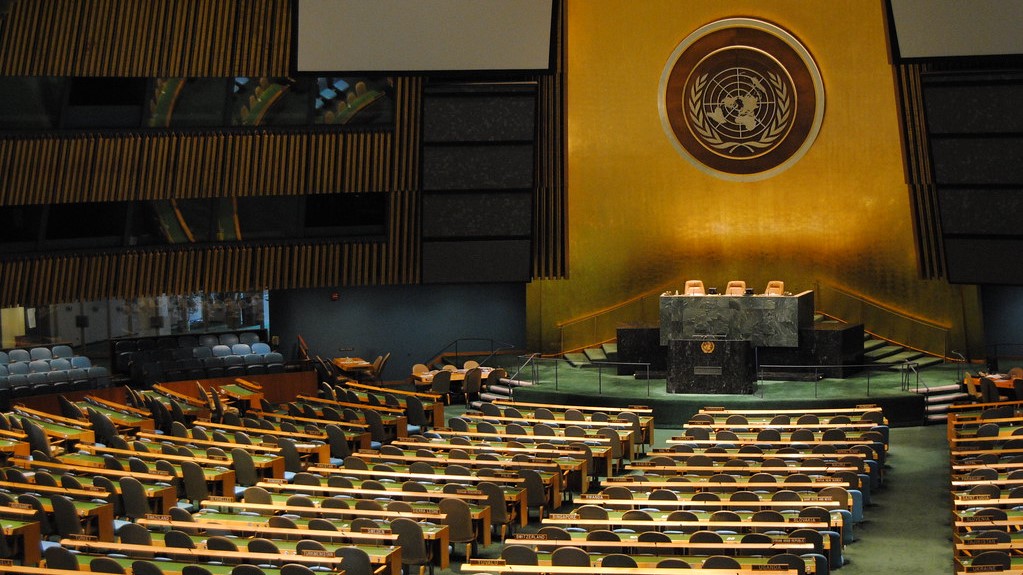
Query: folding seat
[[201, 352], [254, 364], [274, 362], [221, 350], [18, 368], [62, 351], [234, 366], [124, 352], [81, 361], [4, 358], [208, 340], [242, 349], [19, 355], [38, 383], [39, 366], [249, 337], [260, 348], [78, 378], [228, 339], [40, 353], [187, 341], [99, 377], [19, 384], [214, 366], [172, 371], [193, 368], [60, 364]]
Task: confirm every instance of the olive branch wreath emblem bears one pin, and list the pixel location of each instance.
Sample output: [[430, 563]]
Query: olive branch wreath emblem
[[778, 126]]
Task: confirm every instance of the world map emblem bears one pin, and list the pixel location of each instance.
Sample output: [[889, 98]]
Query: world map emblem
[[741, 99]]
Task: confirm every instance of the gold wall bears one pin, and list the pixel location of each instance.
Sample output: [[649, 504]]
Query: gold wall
[[641, 217]]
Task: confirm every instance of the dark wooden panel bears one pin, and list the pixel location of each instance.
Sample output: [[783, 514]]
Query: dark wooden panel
[[977, 160], [492, 118], [983, 107], [478, 214], [476, 261], [980, 211], [984, 261], [478, 167]]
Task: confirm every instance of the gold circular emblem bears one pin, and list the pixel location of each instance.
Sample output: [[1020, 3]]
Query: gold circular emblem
[[707, 347], [741, 99]]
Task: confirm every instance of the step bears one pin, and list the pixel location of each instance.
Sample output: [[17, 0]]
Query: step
[[900, 357], [595, 354], [610, 350], [883, 352], [500, 389], [937, 418], [492, 396], [952, 387], [576, 359], [870, 344], [928, 361], [946, 400]]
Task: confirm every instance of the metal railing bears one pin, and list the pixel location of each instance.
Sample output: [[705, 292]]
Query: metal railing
[[882, 321], [908, 371], [541, 370], [456, 348]]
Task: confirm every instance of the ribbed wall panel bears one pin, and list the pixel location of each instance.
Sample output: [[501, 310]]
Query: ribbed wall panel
[[919, 173], [139, 166], [145, 38], [550, 212], [35, 281]]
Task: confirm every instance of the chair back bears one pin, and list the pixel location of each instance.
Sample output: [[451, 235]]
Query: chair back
[[694, 287]]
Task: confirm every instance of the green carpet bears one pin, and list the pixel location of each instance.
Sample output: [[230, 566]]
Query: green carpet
[[559, 382], [906, 530]]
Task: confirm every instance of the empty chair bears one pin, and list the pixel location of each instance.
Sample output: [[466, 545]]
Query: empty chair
[[735, 287], [414, 551], [40, 353], [458, 518], [354, 560], [105, 565], [570, 556], [775, 287], [694, 287], [519, 555]]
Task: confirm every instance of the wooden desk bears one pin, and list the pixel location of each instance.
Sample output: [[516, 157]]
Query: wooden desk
[[29, 534], [437, 533], [598, 452], [589, 570], [377, 554], [221, 480], [124, 417], [199, 555]]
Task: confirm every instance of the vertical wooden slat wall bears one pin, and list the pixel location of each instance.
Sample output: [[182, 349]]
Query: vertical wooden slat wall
[[184, 38], [222, 38], [919, 175], [550, 212]]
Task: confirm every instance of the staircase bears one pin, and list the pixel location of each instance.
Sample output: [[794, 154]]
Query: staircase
[[936, 398], [605, 352]]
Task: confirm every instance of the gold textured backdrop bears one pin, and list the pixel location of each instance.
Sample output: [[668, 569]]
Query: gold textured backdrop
[[641, 218]]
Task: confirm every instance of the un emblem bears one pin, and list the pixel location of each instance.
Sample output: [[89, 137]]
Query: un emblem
[[741, 99]]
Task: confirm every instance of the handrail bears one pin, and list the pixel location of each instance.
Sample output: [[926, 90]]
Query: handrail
[[494, 349], [906, 368], [917, 333], [534, 360], [886, 323]]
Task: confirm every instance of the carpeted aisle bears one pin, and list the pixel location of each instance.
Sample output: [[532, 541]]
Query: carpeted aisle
[[908, 530]]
